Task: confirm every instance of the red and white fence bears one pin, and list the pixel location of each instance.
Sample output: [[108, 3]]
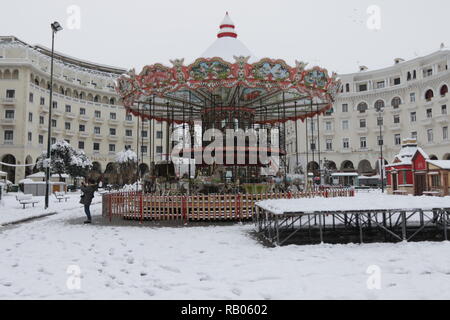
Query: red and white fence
[[140, 207]]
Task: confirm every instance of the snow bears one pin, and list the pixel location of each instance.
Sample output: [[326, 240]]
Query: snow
[[362, 201], [443, 164], [128, 261], [126, 156]]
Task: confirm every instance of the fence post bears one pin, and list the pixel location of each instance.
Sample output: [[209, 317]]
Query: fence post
[[142, 205], [109, 197]]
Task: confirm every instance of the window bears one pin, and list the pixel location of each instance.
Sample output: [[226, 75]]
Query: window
[[435, 181], [67, 125], [144, 134], [82, 128], [82, 111], [97, 114], [445, 133], [429, 95], [113, 116], [328, 126], [362, 87], [41, 120], [414, 135], [30, 97], [30, 137], [444, 109], [362, 107], [159, 149], [96, 130], [159, 135], [329, 112], [81, 145], [41, 139], [129, 133], [413, 116], [112, 131], [347, 87], [362, 123], [68, 108], [30, 117], [96, 147], [54, 123], [129, 117], [345, 107], [380, 121], [412, 97], [396, 102], [346, 143], [363, 143], [345, 124], [55, 105], [52, 141], [42, 101], [379, 105], [397, 81], [429, 113], [9, 136], [444, 90], [313, 145], [428, 72], [68, 141], [144, 149], [396, 119], [380, 140], [397, 140], [430, 135], [112, 148], [9, 114], [329, 145], [10, 94], [380, 85]]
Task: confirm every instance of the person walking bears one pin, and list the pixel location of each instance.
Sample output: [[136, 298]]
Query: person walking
[[88, 191]]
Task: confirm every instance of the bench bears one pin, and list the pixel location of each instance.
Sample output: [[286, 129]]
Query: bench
[[25, 199], [60, 196]]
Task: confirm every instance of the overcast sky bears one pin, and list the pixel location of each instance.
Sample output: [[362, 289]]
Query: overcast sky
[[333, 34]]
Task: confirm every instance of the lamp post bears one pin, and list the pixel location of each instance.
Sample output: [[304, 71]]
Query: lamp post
[[55, 28], [381, 143]]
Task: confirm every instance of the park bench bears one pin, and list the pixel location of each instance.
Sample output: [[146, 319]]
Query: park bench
[[60, 196], [25, 199]]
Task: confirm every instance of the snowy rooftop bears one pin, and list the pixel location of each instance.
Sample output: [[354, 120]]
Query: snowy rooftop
[[359, 202], [407, 152], [227, 46], [443, 164]]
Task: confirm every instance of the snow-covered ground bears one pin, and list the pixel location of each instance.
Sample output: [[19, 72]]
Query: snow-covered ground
[[125, 261]]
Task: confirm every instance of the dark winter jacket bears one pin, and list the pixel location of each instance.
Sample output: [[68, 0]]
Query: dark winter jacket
[[88, 194]]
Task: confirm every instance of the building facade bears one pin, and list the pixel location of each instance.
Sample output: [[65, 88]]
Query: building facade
[[86, 110], [406, 100]]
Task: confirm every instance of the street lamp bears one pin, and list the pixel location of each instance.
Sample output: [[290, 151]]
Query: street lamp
[[56, 27], [381, 143]]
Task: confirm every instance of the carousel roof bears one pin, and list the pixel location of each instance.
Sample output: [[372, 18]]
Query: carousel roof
[[224, 80], [227, 46]]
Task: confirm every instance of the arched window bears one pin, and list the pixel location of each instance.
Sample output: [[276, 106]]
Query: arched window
[[444, 90], [97, 99], [429, 95], [112, 101], [396, 102], [15, 74], [347, 87], [7, 74], [379, 105], [362, 107]]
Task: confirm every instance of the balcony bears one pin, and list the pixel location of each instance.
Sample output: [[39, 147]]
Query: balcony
[[328, 133], [113, 138], [99, 120], [83, 135], [8, 122], [113, 122], [427, 122], [395, 127], [128, 139], [362, 130], [97, 136], [69, 133], [442, 119], [57, 113], [84, 118], [44, 109], [9, 101], [70, 115], [56, 131], [127, 123]]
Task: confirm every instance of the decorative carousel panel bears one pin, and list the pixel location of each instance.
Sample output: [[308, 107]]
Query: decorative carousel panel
[[210, 69], [270, 70]]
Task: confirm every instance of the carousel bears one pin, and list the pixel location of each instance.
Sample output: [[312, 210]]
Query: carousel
[[226, 90]]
